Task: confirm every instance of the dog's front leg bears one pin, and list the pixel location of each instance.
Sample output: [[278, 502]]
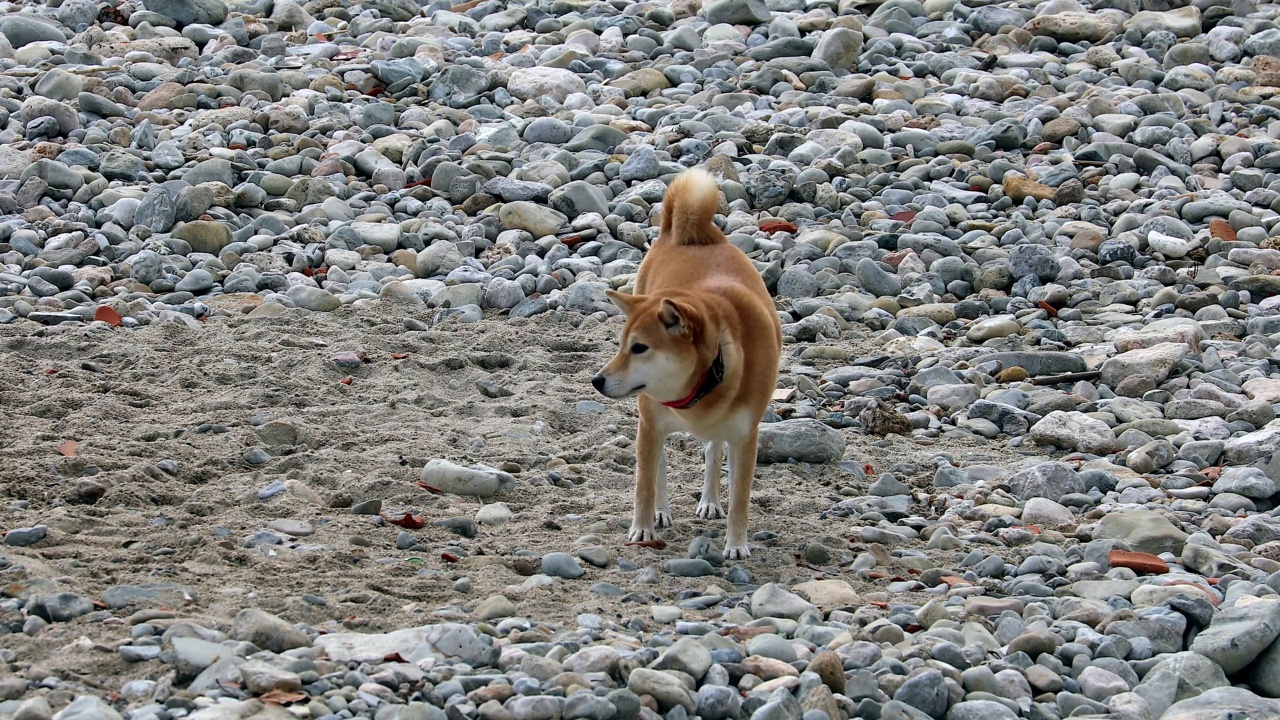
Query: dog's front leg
[[709, 507], [742, 467], [649, 443]]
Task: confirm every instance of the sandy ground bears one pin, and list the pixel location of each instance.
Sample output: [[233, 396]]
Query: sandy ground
[[134, 398]]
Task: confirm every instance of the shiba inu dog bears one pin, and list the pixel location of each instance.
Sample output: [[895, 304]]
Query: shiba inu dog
[[700, 351]]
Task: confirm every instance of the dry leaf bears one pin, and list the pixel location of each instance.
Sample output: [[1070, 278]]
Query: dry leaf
[[281, 697]]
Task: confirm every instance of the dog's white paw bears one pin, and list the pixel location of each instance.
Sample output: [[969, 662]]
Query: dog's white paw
[[737, 552], [710, 511], [641, 535], [662, 518]]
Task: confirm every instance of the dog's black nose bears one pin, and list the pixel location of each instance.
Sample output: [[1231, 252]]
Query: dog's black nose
[[598, 383]]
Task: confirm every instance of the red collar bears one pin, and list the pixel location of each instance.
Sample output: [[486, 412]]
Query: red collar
[[709, 381]]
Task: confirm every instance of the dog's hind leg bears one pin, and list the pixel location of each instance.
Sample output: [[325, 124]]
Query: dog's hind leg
[[709, 507], [649, 458], [742, 467], [662, 518]]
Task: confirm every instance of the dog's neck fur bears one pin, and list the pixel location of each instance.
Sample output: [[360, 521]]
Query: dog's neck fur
[[706, 384]]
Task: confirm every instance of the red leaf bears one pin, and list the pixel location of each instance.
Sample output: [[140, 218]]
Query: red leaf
[[430, 488], [51, 371], [399, 356], [345, 381], [409, 521], [777, 226], [904, 216], [393, 657], [651, 544], [868, 469], [450, 557], [1053, 311], [108, 315], [69, 448]]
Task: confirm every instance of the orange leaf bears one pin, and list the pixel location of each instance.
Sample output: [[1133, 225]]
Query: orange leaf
[[108, 315], [281, 697], [69, 448], [409, 521], [1053, 311], [430, 488], [652, 544]]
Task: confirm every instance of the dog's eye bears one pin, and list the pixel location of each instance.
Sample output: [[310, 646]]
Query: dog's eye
[[638, 348]]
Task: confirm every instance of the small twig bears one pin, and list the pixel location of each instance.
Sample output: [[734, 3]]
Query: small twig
[[1069, 377]]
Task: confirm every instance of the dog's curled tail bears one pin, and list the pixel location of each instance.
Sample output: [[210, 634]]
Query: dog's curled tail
[[688, 208]]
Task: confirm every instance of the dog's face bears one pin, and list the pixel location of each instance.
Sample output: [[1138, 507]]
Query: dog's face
[[658, 353]]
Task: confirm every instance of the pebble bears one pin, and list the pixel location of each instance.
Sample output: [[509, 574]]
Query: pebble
[[559, 564]]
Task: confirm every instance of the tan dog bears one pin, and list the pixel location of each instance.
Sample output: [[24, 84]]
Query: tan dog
[[700, 348]]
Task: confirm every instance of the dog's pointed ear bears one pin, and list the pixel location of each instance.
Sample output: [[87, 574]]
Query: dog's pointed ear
[[624, 302], [672, 317]]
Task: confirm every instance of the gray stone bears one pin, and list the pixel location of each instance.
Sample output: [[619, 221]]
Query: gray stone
[[559, 564], [1075, 431], [804, 439], [663, 687], [25, 536], [1239, 634], [267, 631], [926, 692], [87, 707], [1219, 703], [313, 298], [687, 656], [156, 212], [22, 29], [773, 600], [1050, 480], [189, 12], [876, 280], [1142, 529], [733, 12]]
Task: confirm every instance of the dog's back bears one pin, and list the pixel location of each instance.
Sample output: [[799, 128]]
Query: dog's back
[[691, 253]]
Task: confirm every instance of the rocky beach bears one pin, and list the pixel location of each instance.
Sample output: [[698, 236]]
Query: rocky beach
[[300, 303]]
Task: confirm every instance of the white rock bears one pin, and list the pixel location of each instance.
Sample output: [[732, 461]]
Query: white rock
[[554, 83], [1074, 430], [1170, 246], [477, 480], [1046, 513], [494, 514], [441, 642]]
